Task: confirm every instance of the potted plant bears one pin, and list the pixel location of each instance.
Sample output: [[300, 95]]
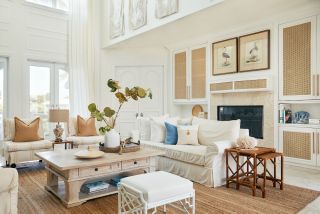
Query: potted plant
[[109, 116]]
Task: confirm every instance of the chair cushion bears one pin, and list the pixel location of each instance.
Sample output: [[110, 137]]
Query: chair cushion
[[79, 140], [9, 128], [158, 186], [27, 146], [26, 132], [86, 127], [195, 154]]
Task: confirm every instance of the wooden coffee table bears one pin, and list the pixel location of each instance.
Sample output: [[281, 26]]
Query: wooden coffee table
[[73, 172]]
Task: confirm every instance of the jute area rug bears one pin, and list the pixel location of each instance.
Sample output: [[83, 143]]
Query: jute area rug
[[33, 198]]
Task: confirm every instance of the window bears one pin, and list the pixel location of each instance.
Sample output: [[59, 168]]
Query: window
[[49, 87], [3, 72], [58, 4]]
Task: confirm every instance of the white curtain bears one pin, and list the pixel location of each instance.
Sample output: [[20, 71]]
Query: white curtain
[[81, 57]]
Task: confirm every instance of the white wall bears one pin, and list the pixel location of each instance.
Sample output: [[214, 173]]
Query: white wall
[[226, 20], [127, 57], [29, 32], [186, 7]]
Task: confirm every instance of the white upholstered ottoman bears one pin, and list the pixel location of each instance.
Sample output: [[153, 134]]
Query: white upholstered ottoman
[[139, 193]]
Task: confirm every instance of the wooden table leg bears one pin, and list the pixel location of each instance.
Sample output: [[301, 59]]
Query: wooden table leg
[[238, 169], [254, 186], [52, 179], [264, 178], [72, 190], [227, 169], [274, 172], [281, 185]]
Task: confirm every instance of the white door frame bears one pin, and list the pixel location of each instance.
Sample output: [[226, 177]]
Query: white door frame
[[5, 61]]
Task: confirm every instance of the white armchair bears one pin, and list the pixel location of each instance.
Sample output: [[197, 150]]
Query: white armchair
[[16, 152], [8, 191], [82, 141]]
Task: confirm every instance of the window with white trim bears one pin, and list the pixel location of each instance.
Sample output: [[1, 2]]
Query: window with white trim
[[57, 4], [48, 87]]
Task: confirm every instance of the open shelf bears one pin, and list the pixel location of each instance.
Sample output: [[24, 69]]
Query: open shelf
[[297, 125]]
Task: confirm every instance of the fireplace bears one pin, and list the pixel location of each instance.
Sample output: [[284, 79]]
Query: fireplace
[[251, 117]]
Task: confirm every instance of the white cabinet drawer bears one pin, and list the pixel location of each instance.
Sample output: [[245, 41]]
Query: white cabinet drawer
[[135, 163], [90, 171]]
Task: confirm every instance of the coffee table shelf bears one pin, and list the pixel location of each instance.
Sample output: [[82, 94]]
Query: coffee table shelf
[[59, 191]]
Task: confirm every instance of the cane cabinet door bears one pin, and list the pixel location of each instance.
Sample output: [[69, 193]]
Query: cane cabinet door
[[299, 145], [298, 76]]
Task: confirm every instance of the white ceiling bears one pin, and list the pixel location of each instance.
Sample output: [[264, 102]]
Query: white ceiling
[[226, 16]]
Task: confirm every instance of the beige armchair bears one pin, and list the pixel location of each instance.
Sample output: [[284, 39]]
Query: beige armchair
[[16, 152], [8, 191], [82, 141]]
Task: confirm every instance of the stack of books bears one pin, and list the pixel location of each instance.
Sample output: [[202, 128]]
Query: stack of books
[[115, 181], [94, 187]]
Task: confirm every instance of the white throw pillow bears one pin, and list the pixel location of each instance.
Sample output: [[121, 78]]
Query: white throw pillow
[[158, 129], [185, 121], [144, 128], [188, 135], [211, 131]]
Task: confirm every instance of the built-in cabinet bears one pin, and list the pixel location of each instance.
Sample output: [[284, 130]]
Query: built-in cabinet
[[300, 145], [299, 86], [190, 69], [299, 78]]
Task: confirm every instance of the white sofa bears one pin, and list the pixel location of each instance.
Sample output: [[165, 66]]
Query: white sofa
[[8, 191], [204, 164], [82, 141], [16, 152]]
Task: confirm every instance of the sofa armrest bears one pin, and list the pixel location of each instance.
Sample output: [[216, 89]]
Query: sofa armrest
[[219, 146], [9, 179]]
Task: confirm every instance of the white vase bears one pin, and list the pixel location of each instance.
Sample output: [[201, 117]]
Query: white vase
[[112, 139]]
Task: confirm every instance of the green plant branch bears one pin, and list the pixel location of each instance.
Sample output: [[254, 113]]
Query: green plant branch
[[134, 93]]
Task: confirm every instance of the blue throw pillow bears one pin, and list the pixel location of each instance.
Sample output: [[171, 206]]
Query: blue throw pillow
[[172, 134]]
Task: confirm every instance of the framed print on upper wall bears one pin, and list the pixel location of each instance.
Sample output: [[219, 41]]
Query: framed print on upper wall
[[166, 8], [137, 14], [224, 56], [254, 51], [116, 18]]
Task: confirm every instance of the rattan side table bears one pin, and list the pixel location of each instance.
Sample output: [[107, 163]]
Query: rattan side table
[[266, 175], [245, 173]]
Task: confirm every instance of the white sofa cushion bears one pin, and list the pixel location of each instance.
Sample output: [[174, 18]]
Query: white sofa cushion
[[188, 135], [9, 191], [195, 154], [9, 128], [83, 140], [158, 186], [27, 146], [158, 129], [214, 131], [144, 128]]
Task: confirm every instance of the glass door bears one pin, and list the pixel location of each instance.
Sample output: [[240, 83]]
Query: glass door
[[48, 88]]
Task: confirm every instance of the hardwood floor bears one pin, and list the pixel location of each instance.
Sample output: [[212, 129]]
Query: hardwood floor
[[33, 198]]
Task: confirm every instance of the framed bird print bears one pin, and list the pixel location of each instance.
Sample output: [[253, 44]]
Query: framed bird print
[[224, 56], [254, 51]]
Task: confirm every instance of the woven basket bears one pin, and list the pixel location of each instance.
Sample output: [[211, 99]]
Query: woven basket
[[117, 149]]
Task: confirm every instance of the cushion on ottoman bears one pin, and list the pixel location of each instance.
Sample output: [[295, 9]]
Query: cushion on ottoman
[[158, 186]]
